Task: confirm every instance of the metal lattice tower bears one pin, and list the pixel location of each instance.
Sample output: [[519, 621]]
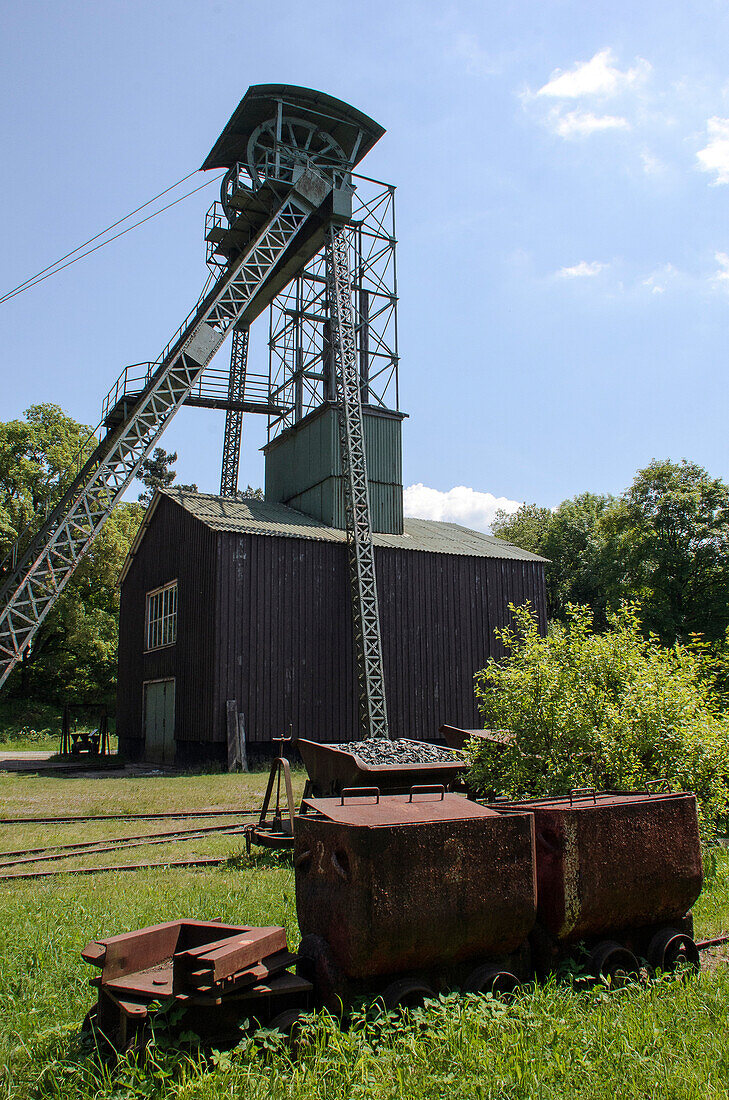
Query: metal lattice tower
[[50, 560], [301, 377], [234, 416], [286, 202], [365, 610]]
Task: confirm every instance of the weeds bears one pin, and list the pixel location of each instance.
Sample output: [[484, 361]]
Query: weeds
[[561, 1039]]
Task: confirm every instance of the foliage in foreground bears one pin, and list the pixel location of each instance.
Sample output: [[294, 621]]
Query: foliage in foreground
[[664, 1040], [612, 711]]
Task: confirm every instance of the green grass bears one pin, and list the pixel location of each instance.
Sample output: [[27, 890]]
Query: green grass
[[32, 726], [666, 1039]]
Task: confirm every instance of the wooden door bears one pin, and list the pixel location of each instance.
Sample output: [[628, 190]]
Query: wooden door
[[159, 721]]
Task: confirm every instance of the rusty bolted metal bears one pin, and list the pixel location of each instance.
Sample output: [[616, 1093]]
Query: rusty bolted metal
[[613, 861], [393, 882]]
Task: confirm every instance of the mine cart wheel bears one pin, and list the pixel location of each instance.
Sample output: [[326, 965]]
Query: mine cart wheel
[[671, 950], [613, 961], [286, 1022], [317, 965], [489, 979], [406, 993], [113, 1041]]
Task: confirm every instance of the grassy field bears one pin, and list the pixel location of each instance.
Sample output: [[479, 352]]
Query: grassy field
[[29, 726], [666, 1039]]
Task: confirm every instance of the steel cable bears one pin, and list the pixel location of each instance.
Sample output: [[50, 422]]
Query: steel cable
[[53, 269]]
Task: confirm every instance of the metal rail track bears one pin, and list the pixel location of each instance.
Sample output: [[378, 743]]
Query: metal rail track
[[110, 844], [717, 941], [206, 861], [70, 819]]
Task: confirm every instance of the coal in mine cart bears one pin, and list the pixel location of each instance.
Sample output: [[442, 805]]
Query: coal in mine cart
[[333, 768]]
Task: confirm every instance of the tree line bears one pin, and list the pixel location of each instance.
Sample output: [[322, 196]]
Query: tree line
[[73, 655], [662, 544]]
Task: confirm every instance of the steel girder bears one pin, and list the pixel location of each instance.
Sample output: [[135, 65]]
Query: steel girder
[[299, 353], [363, 583], [45, 568], [234, 417]]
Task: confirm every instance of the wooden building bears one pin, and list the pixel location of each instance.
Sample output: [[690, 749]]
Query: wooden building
[[238, 599]]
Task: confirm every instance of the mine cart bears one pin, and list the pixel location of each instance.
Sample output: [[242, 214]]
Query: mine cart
[[619, 872], [332, 769], [219, 974], [400, 895]]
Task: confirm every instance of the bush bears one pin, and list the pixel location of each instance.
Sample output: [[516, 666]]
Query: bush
[[611, 711]]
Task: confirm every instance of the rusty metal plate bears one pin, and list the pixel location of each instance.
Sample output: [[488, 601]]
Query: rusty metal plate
[[388, 900], [181, 956], [331, 770], [233, 954], [155, 982], [615, 861], [455, 737], [397, 809], [136, 951]]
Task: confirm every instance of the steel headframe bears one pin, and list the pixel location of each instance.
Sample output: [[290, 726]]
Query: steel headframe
[[234, 417], [363, 586], [300, 359], [49, 561]]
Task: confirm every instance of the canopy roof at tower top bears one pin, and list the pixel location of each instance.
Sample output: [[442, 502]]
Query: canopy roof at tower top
[[260, 103]]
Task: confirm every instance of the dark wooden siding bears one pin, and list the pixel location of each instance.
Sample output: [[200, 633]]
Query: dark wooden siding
[[285, 643], [438, 613], [176, 546], [284, 637]]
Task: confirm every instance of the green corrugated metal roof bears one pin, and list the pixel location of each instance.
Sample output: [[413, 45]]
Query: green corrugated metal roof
[[261, 517]]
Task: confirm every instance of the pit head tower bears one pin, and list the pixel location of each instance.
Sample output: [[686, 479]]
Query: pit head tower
[[298, 230]]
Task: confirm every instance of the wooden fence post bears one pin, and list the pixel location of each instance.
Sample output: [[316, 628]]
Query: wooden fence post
[[237, 756]]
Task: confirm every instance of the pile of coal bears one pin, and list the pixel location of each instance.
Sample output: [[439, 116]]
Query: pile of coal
[[380, 751]]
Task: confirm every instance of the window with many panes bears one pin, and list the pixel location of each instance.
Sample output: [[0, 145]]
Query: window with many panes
[[162, 616]]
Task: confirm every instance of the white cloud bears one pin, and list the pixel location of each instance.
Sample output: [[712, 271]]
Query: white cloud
[[468, 507], [582, 270], [597, 77], [584, 123], [652, 166], [721, 276], [657, 281], [714, 157]]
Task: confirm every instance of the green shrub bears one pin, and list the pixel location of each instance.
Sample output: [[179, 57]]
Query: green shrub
[[611, 710]]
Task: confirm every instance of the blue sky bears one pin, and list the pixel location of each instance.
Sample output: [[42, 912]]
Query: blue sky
[[563, 185]]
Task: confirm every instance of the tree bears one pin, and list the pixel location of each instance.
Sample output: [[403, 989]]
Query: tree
[[573, 540], [157, 473], [73, 654], [38, 457], [670, 533], [611, 711], [527, 527], [249, 493], [579, 553]]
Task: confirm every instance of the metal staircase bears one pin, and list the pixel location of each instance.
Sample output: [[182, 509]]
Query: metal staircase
[[47, 564]]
